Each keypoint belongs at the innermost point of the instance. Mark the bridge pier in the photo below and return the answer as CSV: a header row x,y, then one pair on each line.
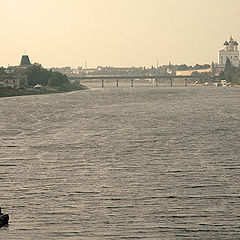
x,y
117,82
186,82
102,82
171,82
132,82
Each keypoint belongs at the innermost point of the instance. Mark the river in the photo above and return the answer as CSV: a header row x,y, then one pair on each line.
x,y
122,163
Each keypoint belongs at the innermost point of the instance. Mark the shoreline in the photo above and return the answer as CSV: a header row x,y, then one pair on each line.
x,y
28,92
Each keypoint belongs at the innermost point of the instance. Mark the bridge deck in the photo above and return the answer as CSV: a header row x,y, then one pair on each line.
x,y
129,77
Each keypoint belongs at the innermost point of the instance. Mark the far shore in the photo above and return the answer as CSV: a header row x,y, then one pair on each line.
x,y
5,92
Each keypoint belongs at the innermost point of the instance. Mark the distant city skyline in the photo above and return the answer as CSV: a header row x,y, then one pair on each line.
x,y
58,33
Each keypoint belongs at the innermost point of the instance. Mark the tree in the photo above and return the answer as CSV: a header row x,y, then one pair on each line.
x,y
221,75
36,74
228,70
202,77
236,77
2,72
57,80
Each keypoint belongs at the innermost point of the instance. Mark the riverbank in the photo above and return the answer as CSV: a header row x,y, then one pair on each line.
x,y
4,92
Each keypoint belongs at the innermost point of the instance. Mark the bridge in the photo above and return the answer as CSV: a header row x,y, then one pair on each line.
x,y
154,78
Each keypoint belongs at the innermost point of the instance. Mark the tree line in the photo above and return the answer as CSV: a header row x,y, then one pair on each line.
x,y
36,74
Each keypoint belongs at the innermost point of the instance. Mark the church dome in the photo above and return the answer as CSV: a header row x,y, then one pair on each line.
x,y
235,43
226,43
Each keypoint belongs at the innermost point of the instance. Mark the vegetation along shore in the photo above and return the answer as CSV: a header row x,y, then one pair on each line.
x,y
34,80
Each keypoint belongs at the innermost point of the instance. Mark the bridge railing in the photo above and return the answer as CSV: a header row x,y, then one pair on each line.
x,y
131,77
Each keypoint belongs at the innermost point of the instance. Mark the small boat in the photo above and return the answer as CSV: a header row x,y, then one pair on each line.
x,y
4,220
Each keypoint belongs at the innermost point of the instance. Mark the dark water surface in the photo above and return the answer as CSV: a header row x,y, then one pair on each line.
x,y
122,163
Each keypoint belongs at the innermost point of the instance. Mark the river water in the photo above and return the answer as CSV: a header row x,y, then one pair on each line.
x,y
122,163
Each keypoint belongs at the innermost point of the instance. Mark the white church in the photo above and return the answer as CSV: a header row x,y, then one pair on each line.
x,y
230,51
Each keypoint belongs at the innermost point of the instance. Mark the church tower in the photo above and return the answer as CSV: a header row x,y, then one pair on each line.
x,y
25,61
230,51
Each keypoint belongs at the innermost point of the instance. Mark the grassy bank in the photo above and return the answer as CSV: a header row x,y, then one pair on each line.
x,y
4,92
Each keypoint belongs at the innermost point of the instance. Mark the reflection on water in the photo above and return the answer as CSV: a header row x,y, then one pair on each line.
x,y
122,163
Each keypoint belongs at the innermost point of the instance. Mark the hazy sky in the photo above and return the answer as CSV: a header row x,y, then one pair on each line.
x,y
116,32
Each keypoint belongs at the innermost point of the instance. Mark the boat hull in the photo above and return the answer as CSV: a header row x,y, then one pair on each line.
x,y
4,220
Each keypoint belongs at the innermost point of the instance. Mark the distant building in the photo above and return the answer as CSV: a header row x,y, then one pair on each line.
x,y
230,51
63,70
24,64
16,76
10,81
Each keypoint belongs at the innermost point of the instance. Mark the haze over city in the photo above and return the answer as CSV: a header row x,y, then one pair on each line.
x,y
116,33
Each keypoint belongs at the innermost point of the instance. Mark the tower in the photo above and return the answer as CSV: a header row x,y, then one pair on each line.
x,y
25,61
